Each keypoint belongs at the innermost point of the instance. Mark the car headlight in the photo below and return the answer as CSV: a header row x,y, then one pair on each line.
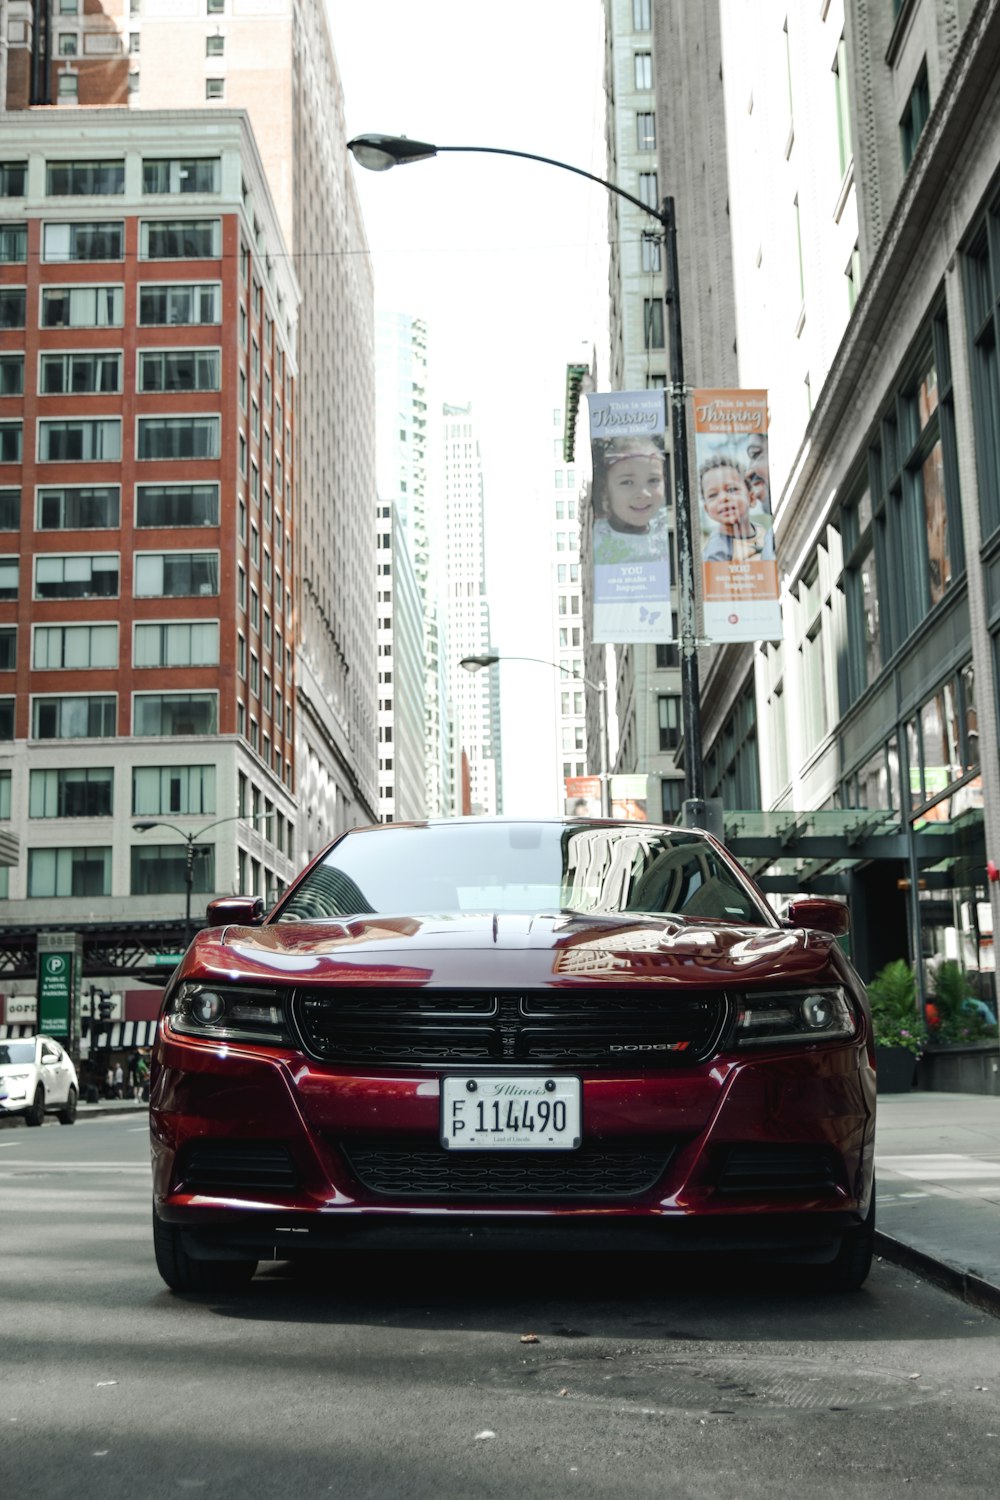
x,y
819,1015
229,1013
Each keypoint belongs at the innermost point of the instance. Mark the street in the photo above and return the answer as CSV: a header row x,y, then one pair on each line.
x,y
376,1377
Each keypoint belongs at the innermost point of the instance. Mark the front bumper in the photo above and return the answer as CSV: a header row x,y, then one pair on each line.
x,y
296,1127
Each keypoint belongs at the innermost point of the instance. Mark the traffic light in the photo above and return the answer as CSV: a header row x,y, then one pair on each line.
x,y
100,1005
105,1008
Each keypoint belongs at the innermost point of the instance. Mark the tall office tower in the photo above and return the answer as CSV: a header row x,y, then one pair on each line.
x,y
273,58
401,708
647,687
148,406
475,696
862,210
402,440
567,619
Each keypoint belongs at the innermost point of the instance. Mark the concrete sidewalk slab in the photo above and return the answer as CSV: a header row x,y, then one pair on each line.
x,y
938,1162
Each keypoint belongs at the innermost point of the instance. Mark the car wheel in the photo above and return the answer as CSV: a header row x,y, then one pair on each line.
x,y
849,1271
36,1114
67,1115
183,1273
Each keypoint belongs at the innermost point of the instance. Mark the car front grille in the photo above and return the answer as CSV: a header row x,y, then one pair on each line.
x,y
214,1166
645,1026
420,1170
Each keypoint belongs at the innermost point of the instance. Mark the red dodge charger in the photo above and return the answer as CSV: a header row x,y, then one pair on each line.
x,y
569,1034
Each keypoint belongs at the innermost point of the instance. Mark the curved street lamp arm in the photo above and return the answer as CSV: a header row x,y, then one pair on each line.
x,y
563,671
661,217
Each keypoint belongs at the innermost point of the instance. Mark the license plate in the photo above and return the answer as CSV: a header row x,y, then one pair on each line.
x,y
510,1114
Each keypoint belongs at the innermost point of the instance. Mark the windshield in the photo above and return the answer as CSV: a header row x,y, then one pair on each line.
x,y
17,1052
523,867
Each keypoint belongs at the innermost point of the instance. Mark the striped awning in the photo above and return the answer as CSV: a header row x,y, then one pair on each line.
x,y
119,1036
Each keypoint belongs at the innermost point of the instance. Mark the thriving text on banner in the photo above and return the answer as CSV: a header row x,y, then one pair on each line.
x,y
630,538
738,564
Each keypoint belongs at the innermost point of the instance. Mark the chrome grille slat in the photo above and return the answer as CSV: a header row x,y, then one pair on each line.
x,y
440,1028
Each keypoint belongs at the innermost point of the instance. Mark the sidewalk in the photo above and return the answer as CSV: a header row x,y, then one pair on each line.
x,y
937,1157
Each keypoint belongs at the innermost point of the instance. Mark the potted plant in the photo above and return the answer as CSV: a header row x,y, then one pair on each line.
x,y
899,1032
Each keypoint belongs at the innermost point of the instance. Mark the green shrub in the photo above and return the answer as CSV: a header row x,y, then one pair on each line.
x,y
892,995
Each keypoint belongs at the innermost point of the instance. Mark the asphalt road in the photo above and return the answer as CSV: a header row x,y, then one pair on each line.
x,y
409,1377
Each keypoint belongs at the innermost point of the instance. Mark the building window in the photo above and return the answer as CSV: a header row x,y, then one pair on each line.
x,y
13,177
644,70
182,174
77,717
83,241
215,88
843,107
180,239
668,712
79,508
180,369
982,291
83,306
9,570
82,440
13,244
59,648
649,189
918,107
177,505
12,306
175,713
185,644
853,273
76,575
645,131
8,649
10,508
195,304
641,19
178,437
215,46
11,442
79,792
69,872
68,43
162,869
84,179
68,91
80,373
177,790
6,719
652,322
174,575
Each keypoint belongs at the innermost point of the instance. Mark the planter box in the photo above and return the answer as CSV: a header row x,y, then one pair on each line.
x,y
961,1070
896,1067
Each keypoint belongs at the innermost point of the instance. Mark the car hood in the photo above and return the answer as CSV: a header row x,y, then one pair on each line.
x,y
506,948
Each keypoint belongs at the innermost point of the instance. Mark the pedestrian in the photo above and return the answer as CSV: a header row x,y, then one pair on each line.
x,y
141,1077
118,1089
109,1084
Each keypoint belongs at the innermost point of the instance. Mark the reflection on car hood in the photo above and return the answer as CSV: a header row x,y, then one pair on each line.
x,y
506,948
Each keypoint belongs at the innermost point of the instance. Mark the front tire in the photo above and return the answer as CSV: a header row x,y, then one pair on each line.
x,y
849,1271
67,1115
36,1114
183,1273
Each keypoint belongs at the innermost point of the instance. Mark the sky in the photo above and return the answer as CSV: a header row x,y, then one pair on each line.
x,y
506,260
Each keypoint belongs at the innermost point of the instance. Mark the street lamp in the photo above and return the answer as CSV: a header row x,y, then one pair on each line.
x,y
191,839
380,152
490,659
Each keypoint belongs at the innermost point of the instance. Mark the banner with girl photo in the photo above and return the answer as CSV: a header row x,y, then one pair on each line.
x,y
631,549
738,564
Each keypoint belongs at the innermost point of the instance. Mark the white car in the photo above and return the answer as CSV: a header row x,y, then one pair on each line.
x,y
37,1077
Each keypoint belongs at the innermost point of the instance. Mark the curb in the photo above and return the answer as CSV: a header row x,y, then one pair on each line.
x,y
965,1285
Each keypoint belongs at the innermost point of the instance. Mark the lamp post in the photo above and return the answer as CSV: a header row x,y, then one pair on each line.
x,y
191,839
490,659
380,152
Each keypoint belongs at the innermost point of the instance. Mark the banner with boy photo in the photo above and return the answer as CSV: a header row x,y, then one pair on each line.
x,y
631,548
738,564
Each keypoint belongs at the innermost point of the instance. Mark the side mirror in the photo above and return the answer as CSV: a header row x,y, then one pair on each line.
x,y
819,913
241,911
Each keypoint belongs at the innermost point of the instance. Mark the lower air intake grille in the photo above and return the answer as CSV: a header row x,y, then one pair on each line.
x,y
217,1165
779,1169
430,1172
646,1026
